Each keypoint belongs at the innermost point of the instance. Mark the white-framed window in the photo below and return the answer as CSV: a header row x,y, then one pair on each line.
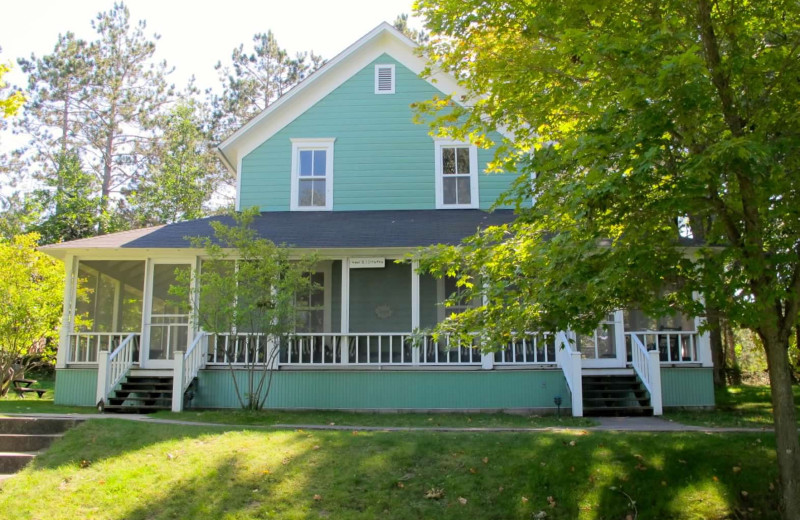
x,y
310,306
384,79
446,287
312,174
456,175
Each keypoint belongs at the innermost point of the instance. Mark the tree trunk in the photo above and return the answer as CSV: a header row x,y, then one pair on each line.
x,y
731,362
717,351
786,438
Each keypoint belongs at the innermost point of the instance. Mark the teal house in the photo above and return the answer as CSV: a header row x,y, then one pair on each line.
x,y
338,166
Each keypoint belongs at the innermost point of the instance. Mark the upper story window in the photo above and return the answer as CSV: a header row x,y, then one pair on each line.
x,y
312,174
456,175
384,79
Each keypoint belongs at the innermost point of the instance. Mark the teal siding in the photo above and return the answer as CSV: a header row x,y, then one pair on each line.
x,y
76,386
402,390
687,386
382,160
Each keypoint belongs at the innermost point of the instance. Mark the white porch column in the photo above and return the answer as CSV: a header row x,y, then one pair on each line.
x,y
487,358
345,311
415,307
70,268
703,345
147,305
177,381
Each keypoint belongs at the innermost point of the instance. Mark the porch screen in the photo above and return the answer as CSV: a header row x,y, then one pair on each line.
x,y
109,296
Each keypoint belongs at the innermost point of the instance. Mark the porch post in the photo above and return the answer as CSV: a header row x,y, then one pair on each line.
x,y
619,337
70,266
487,358
147,304
415,307
177,382
345,312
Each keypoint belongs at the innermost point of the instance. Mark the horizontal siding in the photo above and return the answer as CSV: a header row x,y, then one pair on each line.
x,y
402,390
76,386
382,160
687,386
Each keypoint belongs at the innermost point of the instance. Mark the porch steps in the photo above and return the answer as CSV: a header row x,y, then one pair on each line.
x,y
22,438
615,395
141,394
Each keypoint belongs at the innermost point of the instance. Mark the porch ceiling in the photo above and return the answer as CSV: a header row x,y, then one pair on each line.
x,y
315,230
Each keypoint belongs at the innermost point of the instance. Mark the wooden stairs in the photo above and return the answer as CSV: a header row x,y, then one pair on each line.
x,y
141,393
617,394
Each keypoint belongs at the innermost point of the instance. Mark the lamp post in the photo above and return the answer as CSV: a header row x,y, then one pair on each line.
x,y
557,401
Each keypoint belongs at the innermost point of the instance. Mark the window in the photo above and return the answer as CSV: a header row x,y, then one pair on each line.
x,y
384,79
456,175
310,306
312,174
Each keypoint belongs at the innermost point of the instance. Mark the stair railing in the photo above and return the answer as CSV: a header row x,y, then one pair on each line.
x,y
570,362
647,365
112,367
187,366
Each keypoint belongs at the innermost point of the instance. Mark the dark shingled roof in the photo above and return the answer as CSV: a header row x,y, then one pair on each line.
x,y
319,229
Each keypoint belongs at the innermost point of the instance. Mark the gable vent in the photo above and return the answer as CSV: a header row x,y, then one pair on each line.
x,y
384,79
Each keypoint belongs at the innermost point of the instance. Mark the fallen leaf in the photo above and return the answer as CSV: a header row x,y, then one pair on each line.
x,y
572,443
434,493
317,497
266,472
572,469
285,461
332,424
744,493
401,485
102,482
682,461
551,501
486,460
737,469
541,515
85,463
469,419
663,482
638,456
524,500
299,431
500,489
315,447
462,500
771,486
714,478
543,463
473,470
355,432
629,517
407,476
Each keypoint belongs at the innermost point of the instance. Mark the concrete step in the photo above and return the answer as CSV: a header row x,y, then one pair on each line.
x,y
111,408
22,442
35,425
11,462
5,477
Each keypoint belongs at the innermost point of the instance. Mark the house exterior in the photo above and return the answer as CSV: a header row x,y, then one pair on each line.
x,y
337,166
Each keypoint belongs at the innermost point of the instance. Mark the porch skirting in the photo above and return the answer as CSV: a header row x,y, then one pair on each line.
x,y
76,386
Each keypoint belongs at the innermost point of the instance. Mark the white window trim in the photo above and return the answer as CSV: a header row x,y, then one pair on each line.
x,y
473,174
320,143
384,66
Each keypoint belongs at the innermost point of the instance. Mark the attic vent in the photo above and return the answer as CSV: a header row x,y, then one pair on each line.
x,y
384,79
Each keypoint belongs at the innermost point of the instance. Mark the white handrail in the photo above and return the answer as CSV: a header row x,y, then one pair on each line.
x,y
113,366
648,368
570,362
186,367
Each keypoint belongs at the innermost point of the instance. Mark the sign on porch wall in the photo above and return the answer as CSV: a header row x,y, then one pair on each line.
x,y
367,263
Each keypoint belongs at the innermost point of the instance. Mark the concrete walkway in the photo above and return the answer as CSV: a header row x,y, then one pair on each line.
x,y
618,424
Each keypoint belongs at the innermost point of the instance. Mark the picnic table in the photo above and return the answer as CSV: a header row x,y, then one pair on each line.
x,y
23,386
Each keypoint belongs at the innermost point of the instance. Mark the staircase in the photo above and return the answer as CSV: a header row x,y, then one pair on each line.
x,y
141,393
22,438
619,394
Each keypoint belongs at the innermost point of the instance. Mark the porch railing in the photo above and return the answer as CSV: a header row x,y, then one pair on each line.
x,y
84,347
113,366
569,361
374,349
648,368
672,346
187,366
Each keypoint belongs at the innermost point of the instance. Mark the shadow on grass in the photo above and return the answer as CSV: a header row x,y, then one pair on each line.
x,y
202,472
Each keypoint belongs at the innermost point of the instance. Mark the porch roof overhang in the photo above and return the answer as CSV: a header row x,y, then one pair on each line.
x,y
309,230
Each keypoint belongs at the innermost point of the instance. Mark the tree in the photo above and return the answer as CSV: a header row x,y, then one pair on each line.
x,y
181,173
634,117
31,289
254,80
418,35
10,103
248,287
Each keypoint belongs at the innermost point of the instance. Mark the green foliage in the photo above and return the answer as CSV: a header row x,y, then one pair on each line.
x,y
9,103
247,289
418,35
180,176
31,289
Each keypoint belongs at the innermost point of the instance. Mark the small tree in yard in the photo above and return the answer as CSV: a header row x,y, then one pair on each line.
x,y
247,288
31,289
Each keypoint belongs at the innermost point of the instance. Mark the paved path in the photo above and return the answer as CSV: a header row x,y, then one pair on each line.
x,y
619,424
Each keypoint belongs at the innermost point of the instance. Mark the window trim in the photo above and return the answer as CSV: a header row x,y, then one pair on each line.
x,y
389,66
317,143
439,145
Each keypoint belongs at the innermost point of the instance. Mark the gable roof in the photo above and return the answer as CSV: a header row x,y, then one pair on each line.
x,y
312,230
384,39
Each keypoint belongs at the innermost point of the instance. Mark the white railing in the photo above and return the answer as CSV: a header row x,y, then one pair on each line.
x,y
532,348
648,368
672,346
187,366
113,366
569,361
84,347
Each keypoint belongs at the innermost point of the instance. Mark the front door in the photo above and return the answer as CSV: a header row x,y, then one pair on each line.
x,y
605,347
166,327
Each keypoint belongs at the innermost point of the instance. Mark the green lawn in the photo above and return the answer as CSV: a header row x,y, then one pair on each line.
x,y
12,403
737,406
112,469
423,420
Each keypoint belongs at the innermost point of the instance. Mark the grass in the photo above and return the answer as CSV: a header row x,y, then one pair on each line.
x,y
420,420
737,406
13,403
114,469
